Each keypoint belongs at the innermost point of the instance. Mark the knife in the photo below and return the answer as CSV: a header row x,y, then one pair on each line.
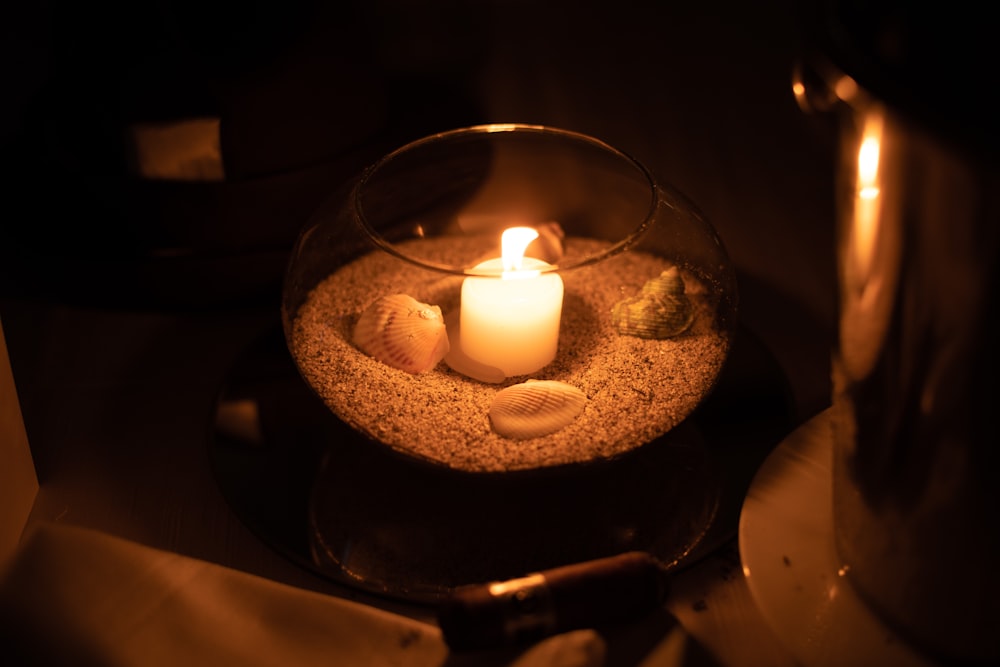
x,y
581,595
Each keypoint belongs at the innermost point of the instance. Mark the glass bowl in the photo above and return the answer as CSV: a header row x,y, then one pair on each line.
x,y
639,319
486,425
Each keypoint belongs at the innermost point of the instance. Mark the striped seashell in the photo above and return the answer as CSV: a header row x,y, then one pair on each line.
x,y
535,408
668,283
402,332
660,310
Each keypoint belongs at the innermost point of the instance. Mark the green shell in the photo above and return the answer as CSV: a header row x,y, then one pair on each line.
x,y
660,310
669,283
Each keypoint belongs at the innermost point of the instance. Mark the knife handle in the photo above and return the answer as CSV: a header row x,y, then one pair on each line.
x,y
583,595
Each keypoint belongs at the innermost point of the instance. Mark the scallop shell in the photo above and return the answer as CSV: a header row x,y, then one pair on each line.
x,y
402,332
535,408
660,310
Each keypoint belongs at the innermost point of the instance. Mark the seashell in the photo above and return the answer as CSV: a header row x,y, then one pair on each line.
x,y
668,283
548,247
660,310
402,332
535,408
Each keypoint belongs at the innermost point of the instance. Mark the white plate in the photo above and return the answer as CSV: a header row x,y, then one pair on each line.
x,y
791,565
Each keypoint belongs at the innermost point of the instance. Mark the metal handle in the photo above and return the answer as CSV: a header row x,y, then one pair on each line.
x,y
583,595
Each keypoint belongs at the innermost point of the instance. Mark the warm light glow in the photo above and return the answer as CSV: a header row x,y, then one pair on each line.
x,y
868,161
867,205
511,325
502,588
509,127
513,242
871,244
845,88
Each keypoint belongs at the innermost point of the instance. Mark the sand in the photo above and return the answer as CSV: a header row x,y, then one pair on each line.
x,y
636,389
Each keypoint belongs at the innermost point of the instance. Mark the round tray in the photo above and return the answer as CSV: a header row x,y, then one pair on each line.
x,y
791,565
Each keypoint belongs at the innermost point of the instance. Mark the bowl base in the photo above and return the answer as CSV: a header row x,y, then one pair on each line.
x,y
362,514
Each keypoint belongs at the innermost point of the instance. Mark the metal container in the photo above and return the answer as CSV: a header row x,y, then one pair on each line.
x,y
915,363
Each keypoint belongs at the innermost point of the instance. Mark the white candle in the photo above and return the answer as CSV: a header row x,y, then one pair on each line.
x,y
510,320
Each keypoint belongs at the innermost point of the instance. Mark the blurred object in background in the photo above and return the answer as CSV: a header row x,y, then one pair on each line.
x,y
169,153
18,481
916,365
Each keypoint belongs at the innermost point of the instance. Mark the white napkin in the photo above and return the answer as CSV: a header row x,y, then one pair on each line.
x,y
74,596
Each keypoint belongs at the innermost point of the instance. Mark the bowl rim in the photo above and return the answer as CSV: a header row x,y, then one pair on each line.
x,y
630,239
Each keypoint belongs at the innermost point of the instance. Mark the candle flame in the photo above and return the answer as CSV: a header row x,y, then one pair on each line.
x,y
513,242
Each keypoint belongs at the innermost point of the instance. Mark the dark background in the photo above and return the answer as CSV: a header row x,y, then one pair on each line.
x,y
126,303
310,92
